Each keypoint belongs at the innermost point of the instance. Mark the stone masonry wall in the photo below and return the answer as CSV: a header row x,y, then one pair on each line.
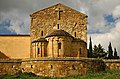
x,y
10,66
47,19
112,64
59,67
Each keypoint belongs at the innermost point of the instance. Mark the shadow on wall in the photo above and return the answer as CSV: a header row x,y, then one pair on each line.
x,y
2,55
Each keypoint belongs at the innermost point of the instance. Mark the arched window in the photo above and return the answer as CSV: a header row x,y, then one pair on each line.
x,y
80,50
41,33
59,45
31,66
51,66
57,26
75,34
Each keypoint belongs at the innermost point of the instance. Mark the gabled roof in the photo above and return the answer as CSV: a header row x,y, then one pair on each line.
x,y
59,33
59,4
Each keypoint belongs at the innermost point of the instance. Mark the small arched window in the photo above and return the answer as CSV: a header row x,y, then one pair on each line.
x,y
75,34
31,66
57,26
41,33
51,66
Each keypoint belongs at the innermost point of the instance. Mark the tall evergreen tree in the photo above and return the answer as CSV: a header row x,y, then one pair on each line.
x,y
99,51
115,54
110,51
90,49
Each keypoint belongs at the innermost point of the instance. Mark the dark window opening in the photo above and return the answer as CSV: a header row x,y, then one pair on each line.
x,y
23,69
59,45
41,33
80,50
57,26
82,24
31,66
13,66
51,66
75,34
38,50
73,67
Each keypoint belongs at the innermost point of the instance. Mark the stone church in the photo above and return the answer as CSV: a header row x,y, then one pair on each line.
x,y
56,31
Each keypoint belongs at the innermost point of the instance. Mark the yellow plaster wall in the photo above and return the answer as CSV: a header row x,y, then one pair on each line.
x,y
15,46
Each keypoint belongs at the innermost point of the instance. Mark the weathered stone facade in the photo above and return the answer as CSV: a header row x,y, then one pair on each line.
x,y
52,67
66,18
58,31
57,67
10,66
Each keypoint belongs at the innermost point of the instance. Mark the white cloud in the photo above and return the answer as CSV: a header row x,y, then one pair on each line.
x,y
104,39
116,12
18,23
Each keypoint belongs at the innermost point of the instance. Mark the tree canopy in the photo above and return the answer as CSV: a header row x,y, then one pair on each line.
x,y
99,52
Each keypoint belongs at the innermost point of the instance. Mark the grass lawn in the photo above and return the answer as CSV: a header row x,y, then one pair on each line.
x,y
108,74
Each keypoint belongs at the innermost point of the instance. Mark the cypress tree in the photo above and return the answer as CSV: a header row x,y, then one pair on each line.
x,y
110,51
115,54
90,49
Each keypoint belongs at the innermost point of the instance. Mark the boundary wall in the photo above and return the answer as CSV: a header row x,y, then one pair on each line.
x,y
57,67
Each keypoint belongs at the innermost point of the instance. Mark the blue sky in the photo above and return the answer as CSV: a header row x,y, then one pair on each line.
x,y
103,17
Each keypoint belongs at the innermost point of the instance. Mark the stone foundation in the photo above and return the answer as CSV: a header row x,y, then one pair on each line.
x,y
52,67
10,66
59,67
112,64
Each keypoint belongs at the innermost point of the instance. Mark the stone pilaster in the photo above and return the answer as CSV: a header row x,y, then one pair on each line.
x,y
62,48
33,50
56,50
50,47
